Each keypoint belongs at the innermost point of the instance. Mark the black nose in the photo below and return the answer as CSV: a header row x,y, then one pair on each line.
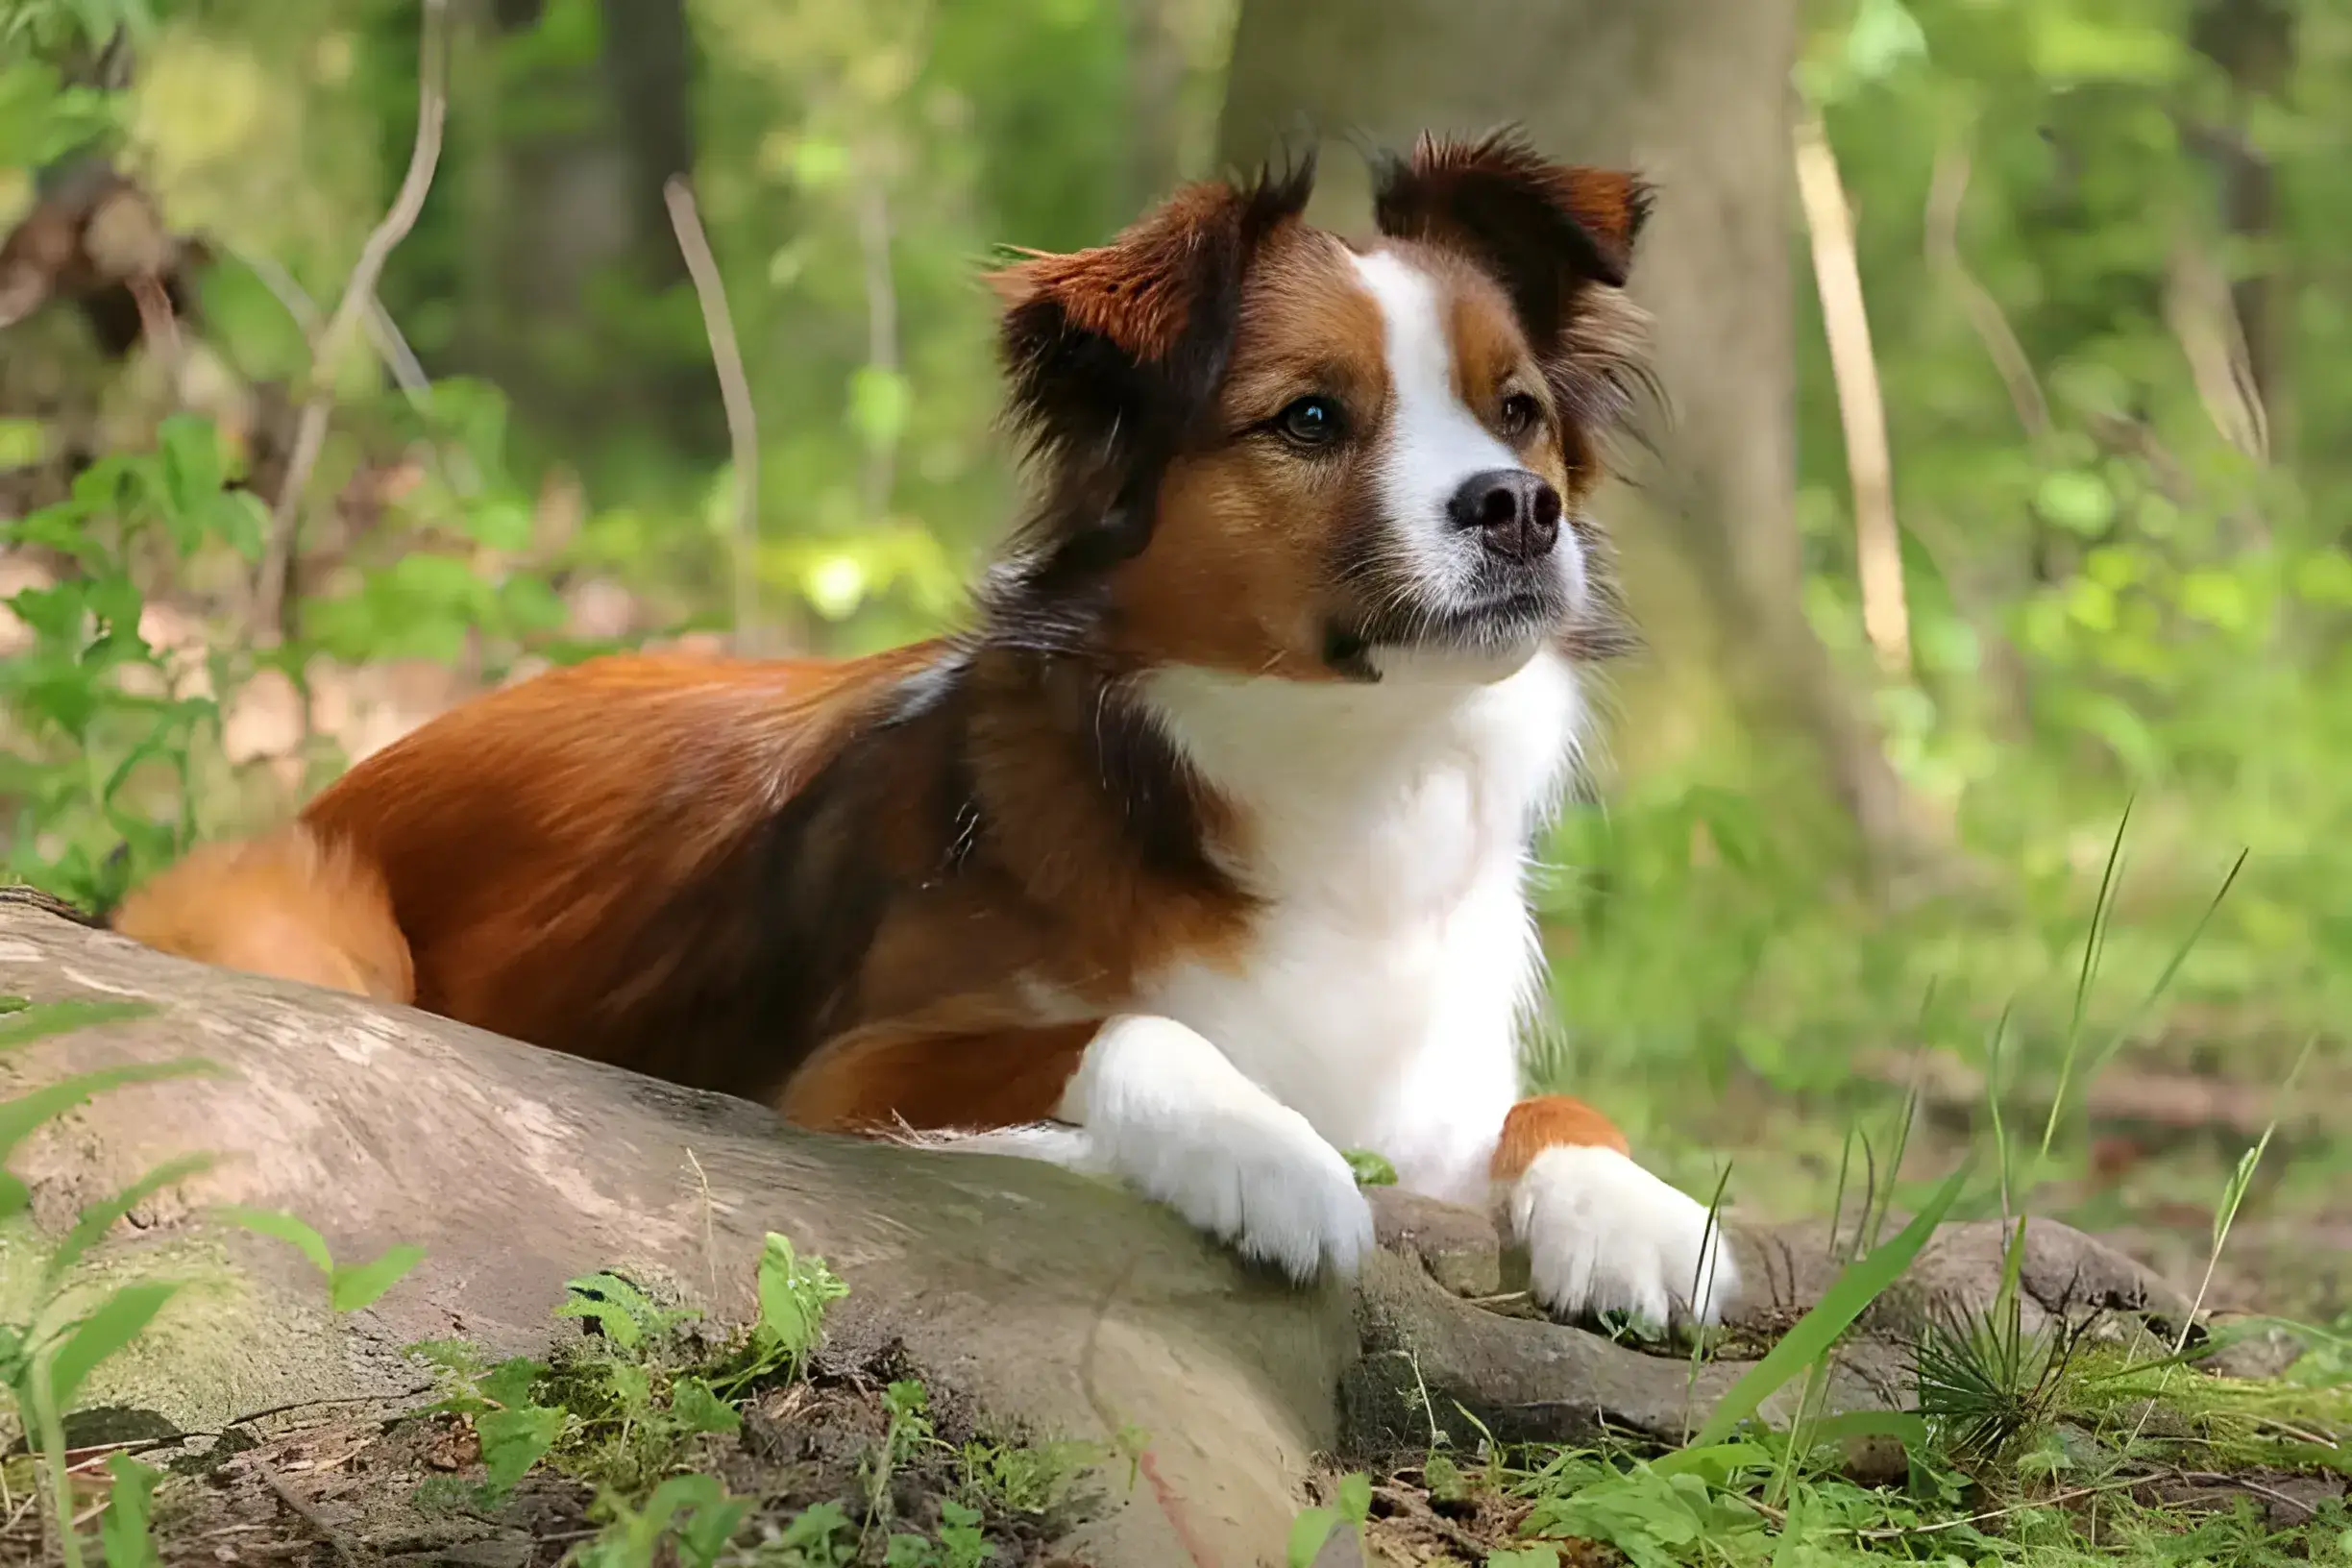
x,y
1516,513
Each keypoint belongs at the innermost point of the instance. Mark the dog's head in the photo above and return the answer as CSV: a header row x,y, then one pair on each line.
x,y
1268,451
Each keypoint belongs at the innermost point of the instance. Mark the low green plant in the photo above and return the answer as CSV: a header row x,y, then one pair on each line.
x,y
514,1429
85,738
49,1353
693,1513
1351,1505
349,1286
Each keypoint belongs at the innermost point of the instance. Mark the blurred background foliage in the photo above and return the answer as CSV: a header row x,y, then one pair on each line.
x,y
2109,312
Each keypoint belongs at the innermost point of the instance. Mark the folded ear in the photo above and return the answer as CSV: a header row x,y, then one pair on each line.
x,y
1139,328
1547,231
1115,356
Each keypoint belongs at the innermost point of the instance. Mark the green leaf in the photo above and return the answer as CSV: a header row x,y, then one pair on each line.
x,y
1308,1534
617,1307
2076,500
23,442
793,1296
879,402
124,1535
348,1289
708,1530
48,1019
238,520
281,1226
1715,1462
1813,1334
1884,35
26,1112
114,1323
692,1403
509,1384
500,522
1903,1426
1355,1498
513,1441
1538,1554
192,468
93,1224
1371,1167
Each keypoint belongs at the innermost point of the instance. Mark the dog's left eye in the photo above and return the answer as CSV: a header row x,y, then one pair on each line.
x,y
1520,412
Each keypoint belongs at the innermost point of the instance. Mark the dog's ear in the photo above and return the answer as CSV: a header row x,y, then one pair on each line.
x,y
1547,231
1115,355
1139,328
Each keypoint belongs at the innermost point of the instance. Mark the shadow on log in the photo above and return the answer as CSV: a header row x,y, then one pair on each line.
x,y
1043,1296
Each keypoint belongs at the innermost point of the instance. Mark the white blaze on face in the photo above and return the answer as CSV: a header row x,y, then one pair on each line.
x,y
1434,441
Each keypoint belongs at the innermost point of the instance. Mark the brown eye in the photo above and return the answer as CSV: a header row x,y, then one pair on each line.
x,y
1520,412
1310,421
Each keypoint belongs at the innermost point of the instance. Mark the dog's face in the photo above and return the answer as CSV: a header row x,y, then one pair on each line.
x,y
1271,451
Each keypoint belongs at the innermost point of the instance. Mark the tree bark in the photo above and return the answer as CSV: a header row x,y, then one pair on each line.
x,y
1040,1295
1694,94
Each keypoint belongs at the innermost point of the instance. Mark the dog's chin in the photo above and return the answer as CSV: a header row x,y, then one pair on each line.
x,y
1458,644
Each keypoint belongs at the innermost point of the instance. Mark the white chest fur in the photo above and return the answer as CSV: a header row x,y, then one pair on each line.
x,y
1383,987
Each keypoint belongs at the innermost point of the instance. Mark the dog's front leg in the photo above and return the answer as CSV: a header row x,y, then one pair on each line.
x,y
1163,1108
1602,1234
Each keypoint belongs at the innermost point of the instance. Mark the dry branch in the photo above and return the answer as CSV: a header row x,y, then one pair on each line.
x,y
1947,189
268,604
1886,617
735,392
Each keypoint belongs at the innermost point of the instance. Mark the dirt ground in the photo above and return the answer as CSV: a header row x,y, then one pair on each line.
x,y
334,1487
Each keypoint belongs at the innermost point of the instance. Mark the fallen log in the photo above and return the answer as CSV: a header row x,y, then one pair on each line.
x,y
1047,1297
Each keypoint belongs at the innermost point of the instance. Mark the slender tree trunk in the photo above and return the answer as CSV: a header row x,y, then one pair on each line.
x,y
547,210
1694,94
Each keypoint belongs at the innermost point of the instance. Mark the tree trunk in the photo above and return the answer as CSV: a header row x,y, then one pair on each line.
x,y
1694,94
546,210
1040,1295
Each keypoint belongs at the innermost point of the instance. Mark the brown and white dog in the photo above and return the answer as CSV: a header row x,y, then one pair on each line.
x,y
1200,858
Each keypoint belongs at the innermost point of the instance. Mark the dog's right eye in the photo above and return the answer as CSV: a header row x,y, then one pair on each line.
x,y
1310,421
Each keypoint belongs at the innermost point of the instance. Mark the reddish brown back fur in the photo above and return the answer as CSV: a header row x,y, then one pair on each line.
x,y
285,905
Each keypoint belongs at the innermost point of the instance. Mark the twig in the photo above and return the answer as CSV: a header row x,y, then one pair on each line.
x,y
2222,1478
310,433
710,1234
1886,617
344,1551
1946,189
1904,1531
735,393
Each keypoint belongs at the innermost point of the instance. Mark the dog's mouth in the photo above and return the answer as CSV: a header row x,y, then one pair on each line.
x,y
1493,626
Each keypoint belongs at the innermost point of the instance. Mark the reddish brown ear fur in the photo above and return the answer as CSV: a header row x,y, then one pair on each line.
x,y
1546,229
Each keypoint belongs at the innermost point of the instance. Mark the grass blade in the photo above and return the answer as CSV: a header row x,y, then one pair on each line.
x,y
95,1221
1813,1334
349,1289
21,1116
280,1226
119,1320
51,1018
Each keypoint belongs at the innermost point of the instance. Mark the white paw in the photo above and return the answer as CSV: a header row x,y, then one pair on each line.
x,y
1604,1234
1166,1111
1269,1187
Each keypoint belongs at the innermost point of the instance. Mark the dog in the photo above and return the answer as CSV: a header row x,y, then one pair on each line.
x,y
1200,857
